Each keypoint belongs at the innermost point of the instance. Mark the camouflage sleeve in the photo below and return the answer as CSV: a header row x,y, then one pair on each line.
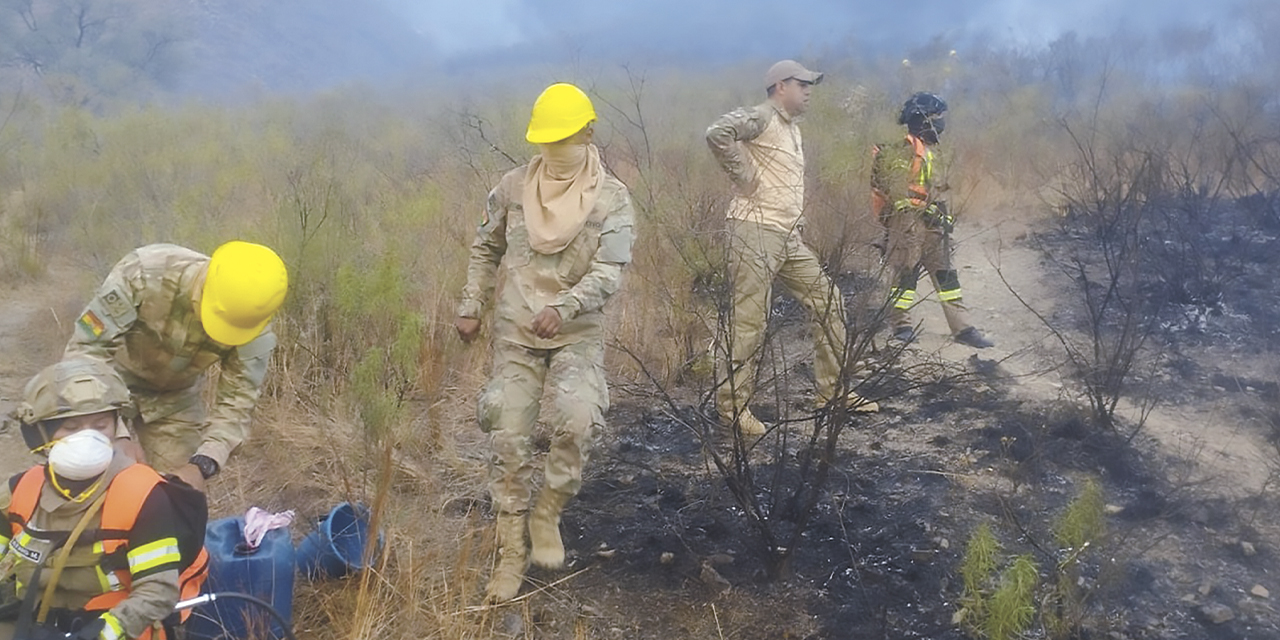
x,y
99,330
239,386
724,135
879,175
891,173
486,254
880,184
602,279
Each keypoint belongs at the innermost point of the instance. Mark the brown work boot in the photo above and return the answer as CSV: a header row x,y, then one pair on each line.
x,y
856,402
544,530
507,577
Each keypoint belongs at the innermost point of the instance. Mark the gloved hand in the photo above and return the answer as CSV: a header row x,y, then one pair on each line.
x,y
937,216
90,631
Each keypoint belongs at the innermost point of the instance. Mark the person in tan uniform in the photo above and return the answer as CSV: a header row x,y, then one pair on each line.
x,y
760,149
906,196
165,315
559,231
116,581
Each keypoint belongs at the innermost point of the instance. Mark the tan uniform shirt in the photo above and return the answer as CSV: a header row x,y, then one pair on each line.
x,y
152,595
577,281
762,143
143,320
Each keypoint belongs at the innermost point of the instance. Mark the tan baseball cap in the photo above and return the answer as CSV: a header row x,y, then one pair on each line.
x,y
788,69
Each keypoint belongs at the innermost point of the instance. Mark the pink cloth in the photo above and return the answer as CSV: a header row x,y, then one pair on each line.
x,y
258,522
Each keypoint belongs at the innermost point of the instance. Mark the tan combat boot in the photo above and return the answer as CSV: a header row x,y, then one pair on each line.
x,y
507,577
856,402
748,424
544,530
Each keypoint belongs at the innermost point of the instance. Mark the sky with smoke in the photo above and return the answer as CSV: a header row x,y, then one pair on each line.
x,y
727,28
237,47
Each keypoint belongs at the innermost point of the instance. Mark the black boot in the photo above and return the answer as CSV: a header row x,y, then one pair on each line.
x,y
904,334
974,338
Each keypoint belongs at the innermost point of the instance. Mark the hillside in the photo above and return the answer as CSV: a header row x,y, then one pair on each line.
x,y
291,45
98,52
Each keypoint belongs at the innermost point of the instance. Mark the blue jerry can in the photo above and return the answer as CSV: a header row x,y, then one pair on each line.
x,y
265,573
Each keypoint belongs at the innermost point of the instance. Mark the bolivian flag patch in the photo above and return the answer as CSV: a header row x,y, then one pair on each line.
x,y
92,323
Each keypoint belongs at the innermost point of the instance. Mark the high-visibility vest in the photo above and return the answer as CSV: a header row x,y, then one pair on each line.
x,y
125,495
919,176
921,173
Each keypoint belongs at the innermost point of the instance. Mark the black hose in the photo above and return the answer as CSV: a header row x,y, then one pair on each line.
x,y
231,595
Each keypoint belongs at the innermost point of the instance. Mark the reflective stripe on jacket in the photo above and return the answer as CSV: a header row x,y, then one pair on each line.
x,y
106,549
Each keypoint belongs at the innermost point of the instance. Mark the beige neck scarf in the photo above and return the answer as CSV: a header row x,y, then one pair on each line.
x,y
560,190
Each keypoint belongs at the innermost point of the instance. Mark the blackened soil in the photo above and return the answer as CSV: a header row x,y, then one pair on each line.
x,y
671,554
866,567
665,551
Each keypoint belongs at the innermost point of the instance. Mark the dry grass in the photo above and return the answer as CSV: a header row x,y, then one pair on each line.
x,y
370,396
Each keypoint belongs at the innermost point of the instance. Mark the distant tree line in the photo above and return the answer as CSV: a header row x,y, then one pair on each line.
x,y
84,50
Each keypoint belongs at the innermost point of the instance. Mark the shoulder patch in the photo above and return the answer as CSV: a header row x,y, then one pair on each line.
x,y
116,303
91,323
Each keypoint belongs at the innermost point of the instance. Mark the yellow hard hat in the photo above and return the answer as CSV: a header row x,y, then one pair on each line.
x,y
243,287
561,111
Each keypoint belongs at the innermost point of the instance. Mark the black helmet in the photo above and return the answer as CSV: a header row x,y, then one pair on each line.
x,y
922,113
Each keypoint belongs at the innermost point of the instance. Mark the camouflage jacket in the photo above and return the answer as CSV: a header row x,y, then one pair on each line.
x,y
145,320
577,281
762,143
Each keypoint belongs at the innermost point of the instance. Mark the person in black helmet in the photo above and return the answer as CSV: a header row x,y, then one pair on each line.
x,y
905,193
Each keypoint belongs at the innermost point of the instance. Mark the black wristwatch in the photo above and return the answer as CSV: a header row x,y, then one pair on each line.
x,y
208,466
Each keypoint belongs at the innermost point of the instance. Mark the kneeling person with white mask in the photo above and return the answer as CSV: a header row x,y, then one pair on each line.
x,y
94,533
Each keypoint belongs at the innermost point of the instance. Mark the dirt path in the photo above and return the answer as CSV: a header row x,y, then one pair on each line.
x,y
1225,449
35,320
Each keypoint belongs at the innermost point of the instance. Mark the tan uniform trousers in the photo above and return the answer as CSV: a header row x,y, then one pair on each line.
x,y
508,411
914,246
757,255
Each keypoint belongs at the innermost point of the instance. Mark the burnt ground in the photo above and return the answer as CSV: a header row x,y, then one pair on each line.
x,y
665,552
881,557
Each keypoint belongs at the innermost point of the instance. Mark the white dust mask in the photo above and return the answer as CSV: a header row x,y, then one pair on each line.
x,y
82,455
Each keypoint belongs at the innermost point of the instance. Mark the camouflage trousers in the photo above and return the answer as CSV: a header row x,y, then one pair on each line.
x,y
170,426
913,247
759,254
508,411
